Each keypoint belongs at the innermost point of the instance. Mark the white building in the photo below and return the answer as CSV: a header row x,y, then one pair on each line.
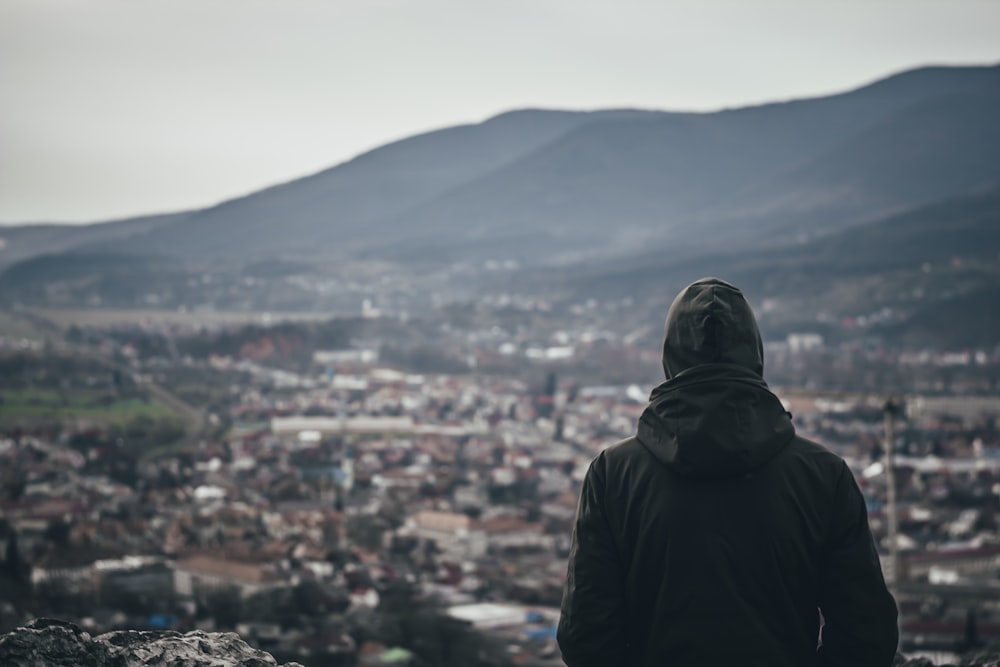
x,y
203,574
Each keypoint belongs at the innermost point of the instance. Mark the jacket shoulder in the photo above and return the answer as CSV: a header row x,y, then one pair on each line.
x,y
814,451
621,450
617,455
803,454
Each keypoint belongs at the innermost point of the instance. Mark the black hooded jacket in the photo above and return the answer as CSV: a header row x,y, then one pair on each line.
x,y
715,535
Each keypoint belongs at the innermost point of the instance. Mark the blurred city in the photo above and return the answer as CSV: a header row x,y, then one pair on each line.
x,y
366,489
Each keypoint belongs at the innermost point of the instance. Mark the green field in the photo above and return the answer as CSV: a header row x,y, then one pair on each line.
x,y
13,326
36,405
104,317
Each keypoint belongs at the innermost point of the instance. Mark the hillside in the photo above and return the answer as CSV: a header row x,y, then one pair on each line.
x,y
831,207
708,179
337,208
935,267
544,180
25,242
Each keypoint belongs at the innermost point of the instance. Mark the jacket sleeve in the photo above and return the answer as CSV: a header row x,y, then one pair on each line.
x,y
859,613
592,623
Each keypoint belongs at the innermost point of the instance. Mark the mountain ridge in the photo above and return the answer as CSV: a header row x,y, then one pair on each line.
x,y
560,195
897,86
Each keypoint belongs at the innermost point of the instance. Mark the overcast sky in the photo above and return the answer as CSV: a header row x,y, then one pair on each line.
x,y
111,108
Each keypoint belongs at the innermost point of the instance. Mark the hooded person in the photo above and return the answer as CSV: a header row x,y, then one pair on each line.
x,y
716,535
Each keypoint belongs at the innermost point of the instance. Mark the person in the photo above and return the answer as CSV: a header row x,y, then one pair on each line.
x,y
716,535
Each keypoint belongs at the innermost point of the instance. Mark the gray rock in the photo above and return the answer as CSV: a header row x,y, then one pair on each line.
x,y
980,660
51,643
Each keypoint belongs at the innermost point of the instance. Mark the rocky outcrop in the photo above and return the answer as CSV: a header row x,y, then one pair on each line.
x,y
983,660
51,643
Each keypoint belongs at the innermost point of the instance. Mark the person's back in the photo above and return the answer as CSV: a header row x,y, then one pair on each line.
x,y
715,535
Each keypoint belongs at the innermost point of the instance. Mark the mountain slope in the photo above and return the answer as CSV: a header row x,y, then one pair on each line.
x,y
544,182
337,206
883,197
962,227
766,169
24,242
928,151
919,264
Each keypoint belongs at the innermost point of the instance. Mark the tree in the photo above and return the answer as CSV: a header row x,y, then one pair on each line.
x,y
15,567
435,637
224,605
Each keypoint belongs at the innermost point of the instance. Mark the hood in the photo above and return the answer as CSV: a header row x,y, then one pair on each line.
x,y
710,322
714,416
